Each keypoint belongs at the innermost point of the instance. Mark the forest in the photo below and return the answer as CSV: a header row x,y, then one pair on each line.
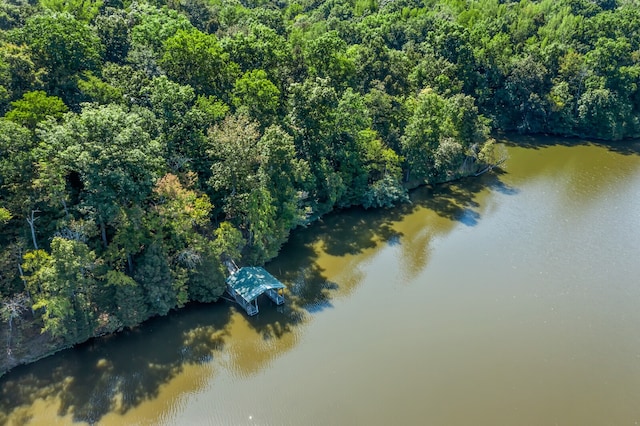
x,y
143,143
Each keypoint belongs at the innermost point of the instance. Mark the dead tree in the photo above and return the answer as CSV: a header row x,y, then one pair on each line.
x,y
11,310
31,221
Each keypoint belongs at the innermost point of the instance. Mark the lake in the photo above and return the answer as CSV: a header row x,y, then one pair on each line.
x,y
511,298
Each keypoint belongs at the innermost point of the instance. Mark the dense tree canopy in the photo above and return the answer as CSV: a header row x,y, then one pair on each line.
x,y
143,143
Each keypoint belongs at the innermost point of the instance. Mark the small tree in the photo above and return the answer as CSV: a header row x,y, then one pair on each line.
x,y
5,216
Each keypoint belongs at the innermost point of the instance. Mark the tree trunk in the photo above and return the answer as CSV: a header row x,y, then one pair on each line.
x,y
9,338
103,233
66,210
31,220
24,282
130,264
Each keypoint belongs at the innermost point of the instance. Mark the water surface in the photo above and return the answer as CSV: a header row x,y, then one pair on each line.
x,y
512,298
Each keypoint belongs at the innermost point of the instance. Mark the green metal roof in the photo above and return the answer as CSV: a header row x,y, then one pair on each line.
x,y
251,281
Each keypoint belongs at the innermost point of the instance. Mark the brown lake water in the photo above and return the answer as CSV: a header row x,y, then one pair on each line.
x,y
508,299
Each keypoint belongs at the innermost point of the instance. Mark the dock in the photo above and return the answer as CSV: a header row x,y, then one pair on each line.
x,y
246,284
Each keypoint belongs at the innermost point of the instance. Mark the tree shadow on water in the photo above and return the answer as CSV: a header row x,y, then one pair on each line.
x,y
308,288
458,200
355,230
117,372
351,231
624,147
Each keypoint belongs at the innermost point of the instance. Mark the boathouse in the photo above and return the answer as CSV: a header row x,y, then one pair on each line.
x,y
246,284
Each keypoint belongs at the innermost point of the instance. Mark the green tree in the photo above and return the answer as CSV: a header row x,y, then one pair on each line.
x,y
234,154
18,72
83,10
154,276
187,141
35,107
63,46
526,88
327,57
113,28
169,101
61,284
384,173
179,213
347,150
285,176
99,91
5,81
255,95
312,114
602,114
440,135
130,305
5,216
388,115
261,47
228,242
422,135
257,177
207,280
19,187
13,13
16,164
155,25
375,63
197,59
116,160
133,84
436,72
201,13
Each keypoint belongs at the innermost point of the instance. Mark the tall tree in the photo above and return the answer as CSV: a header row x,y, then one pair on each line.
x,y
194,58
114,159
261,47
422,135
61,283
18,72
154,276
16,164
312,115
327,57
113,28
63,46
255,95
